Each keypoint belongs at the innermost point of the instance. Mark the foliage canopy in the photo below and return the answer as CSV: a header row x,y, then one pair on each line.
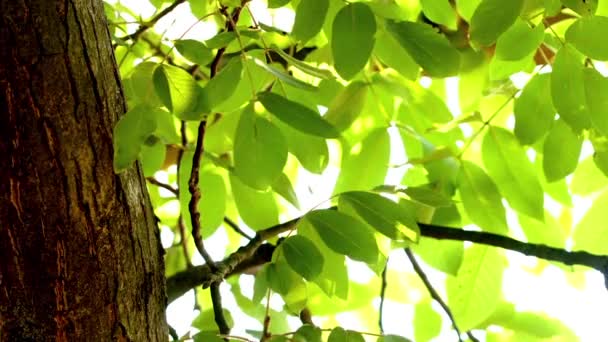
x,y
368,127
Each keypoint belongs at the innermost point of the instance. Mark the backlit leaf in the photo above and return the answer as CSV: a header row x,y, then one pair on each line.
x,y
508,165
596,87
283,76
587,36
481,199
534,110
263,214
260,151
476,291
223,85
432,51
561,151
297,116
345,235
303,257
519,41
492,18
568,89
427,322
310,15
347,105
130,133
590,230
440,12
194,50
352,38
179,93
340,335
384,215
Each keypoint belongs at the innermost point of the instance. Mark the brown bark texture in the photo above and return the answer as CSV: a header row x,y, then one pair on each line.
x,y
80,254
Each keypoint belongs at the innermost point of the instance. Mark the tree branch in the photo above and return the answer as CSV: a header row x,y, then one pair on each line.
x,y
247,256
165,186
145,26
429,287
598,262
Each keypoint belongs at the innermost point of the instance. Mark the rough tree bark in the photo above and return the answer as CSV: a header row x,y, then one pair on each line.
x,y
80,255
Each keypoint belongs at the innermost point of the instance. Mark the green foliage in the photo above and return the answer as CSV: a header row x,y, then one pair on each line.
x,y
370,121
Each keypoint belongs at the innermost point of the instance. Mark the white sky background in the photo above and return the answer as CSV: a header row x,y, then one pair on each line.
x,y
584,310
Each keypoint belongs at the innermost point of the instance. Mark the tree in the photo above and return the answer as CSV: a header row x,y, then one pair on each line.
x,y
230,135
80,250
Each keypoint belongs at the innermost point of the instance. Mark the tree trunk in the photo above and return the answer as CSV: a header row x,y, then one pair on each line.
x,y
80,254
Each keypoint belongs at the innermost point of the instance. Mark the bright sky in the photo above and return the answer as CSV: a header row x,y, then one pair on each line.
x,y
583,307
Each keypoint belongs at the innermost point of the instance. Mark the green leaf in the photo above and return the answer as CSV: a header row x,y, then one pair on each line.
x,y
130,133
596,87
307,333
277,3
519,41
476,291
352,38
223,85
440,12
220,40
492,18
427,196
446,255
347,105
392,338
534,110
391,53
365,166
303,66
340,335
282,186
590,230
508,165
152,158
302,255
481,199
282,279
194,51
260,151
281,75
587,36
427,322
311,151
310,15
432,51
582,7
212,204
548,233
568,89
297,116
345,235
333,279
140,88
257,209
384,215
561,151
587,178
179,93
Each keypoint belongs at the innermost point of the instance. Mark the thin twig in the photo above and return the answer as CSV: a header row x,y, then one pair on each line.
x,y
145,26
236,228
382,296
195,215
165,186
432,290
216,300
